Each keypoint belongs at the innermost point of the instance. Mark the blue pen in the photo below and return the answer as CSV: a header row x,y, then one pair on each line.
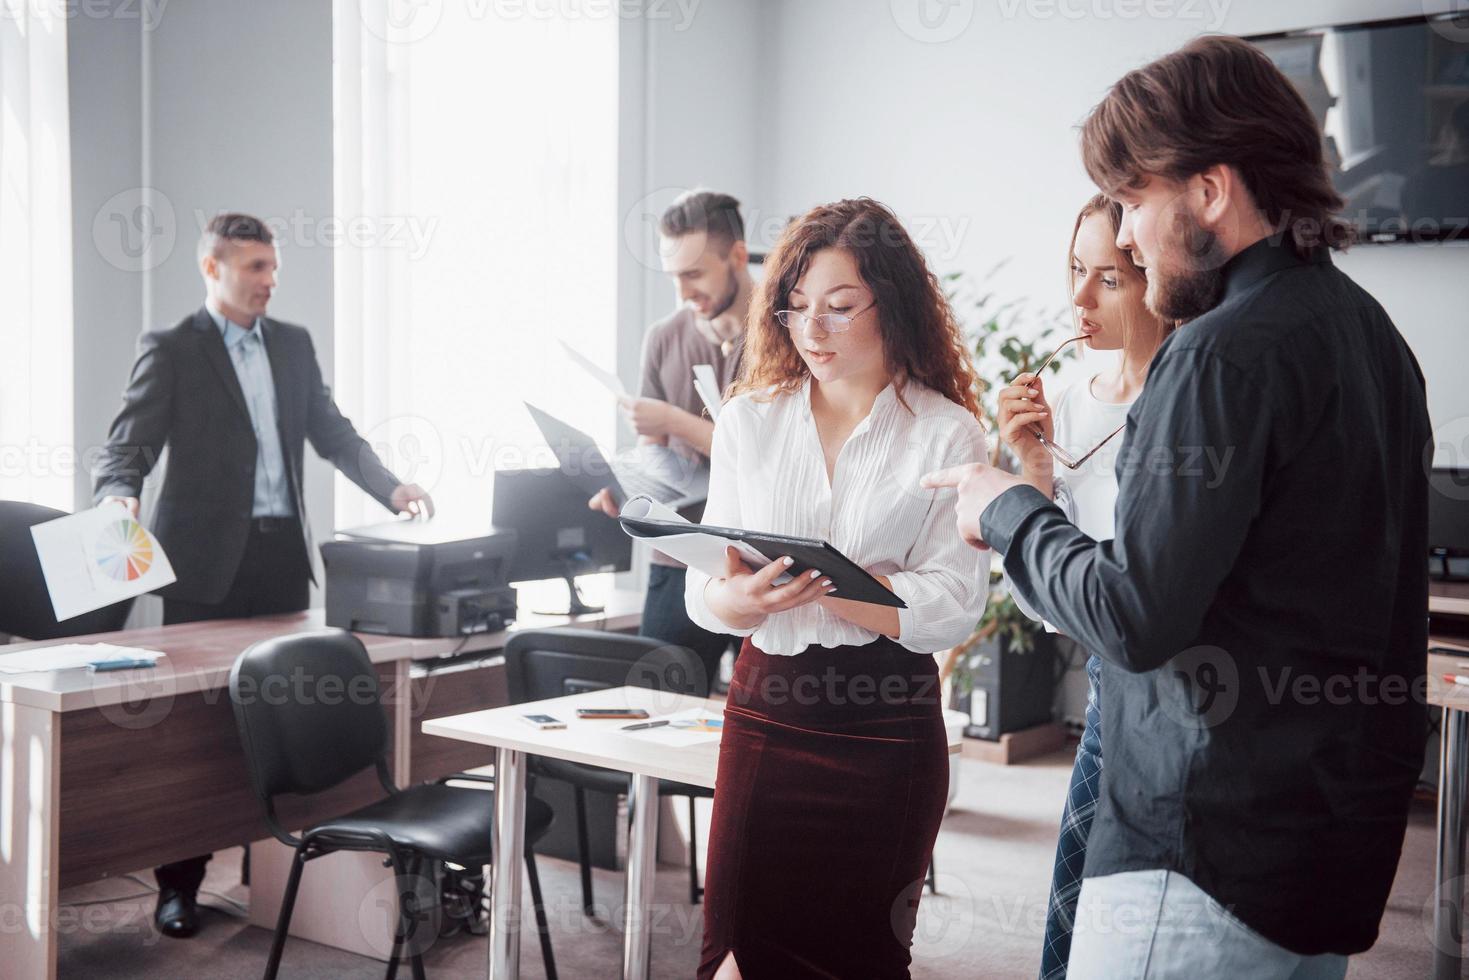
x,y
121,663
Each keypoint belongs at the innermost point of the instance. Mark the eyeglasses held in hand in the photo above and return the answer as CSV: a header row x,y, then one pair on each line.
x,y
825,322
1059,454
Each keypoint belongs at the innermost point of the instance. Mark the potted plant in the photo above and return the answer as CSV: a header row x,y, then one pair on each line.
x,y
1004,675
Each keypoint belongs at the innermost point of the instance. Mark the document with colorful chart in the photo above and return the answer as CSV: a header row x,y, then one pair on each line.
x,y
97,557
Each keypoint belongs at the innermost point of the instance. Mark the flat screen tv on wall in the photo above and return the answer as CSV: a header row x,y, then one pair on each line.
x,y
1392,98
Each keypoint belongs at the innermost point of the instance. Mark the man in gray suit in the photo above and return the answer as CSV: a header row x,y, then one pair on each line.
x,y
234,395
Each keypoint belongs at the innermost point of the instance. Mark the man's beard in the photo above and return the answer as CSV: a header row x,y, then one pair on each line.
x,y
728,299
1196,289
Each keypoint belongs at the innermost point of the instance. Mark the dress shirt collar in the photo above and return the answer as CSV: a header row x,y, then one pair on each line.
x,y
233,333
880,405
1268,255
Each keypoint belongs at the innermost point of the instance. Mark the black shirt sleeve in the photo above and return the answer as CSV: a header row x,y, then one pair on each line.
x,y
1189,485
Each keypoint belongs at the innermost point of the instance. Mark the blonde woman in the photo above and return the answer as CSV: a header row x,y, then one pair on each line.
x,y
1087,417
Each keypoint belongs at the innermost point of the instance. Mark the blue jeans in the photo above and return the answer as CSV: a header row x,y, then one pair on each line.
x,y
1159,925
1076,826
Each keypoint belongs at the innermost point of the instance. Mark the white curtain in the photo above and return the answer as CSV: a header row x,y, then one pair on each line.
x,y
36,455
476,152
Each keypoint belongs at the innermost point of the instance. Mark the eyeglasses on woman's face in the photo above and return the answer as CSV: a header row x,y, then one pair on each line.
x,y
825,322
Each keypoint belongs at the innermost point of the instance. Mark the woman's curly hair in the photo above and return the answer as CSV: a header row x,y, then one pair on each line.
x,y
921,338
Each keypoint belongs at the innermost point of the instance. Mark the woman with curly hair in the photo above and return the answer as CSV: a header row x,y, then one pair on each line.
x,y
833,767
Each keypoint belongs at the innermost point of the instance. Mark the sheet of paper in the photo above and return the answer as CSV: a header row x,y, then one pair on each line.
x,y
97,557
604,377
692,727
645,506
707,385
689,475
66,656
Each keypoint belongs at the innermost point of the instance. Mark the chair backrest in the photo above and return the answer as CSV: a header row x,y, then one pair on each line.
x,y
556,662
25,604
309,712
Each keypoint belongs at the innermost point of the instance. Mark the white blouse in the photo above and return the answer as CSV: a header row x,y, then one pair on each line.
x,y
768,473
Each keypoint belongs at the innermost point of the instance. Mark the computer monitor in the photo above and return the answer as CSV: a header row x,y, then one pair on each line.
x,y
559,535
1448,523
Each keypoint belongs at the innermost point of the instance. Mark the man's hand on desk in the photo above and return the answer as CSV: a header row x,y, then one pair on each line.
x,y
414,499
131,503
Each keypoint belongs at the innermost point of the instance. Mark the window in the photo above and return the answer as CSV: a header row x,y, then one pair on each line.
x,y
37,461
476,158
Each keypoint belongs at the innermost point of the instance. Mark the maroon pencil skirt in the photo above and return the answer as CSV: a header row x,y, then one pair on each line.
x,y
833,777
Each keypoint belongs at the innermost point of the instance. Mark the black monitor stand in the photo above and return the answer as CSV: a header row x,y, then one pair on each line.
x,y
576,606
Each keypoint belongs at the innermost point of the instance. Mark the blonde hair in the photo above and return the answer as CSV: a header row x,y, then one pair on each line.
x,y
1102,205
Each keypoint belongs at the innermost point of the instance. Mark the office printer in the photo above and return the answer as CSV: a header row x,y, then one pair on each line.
x,y
419,578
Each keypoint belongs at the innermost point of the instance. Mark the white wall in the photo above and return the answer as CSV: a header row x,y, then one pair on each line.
x,y
967,128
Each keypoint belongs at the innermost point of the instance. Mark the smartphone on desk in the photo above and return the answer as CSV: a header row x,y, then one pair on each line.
x,y
543,722
606,713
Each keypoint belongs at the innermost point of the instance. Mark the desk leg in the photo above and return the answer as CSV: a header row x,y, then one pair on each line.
x,y
30,830
509,851
642,805
1448,914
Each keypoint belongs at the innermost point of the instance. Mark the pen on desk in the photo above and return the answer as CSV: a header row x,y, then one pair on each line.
x,y
120,663
1455,679
656,724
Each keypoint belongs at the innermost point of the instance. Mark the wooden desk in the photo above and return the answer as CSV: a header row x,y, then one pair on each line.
x,y
595,743
106,773
1448,598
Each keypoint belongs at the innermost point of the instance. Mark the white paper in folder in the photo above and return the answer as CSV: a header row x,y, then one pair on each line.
x,y
697,550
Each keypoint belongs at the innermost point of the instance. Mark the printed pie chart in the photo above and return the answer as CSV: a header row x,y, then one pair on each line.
x,y
698,724
124,550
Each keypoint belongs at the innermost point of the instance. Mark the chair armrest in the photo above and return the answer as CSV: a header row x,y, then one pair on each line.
x,y
465,777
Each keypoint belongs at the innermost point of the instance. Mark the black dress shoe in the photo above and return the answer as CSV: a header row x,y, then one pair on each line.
x,y
177,914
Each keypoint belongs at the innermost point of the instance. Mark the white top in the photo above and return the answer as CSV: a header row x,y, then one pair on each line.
x,y
768,473
1088,494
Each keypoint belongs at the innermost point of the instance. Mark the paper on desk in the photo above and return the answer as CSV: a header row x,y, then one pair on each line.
x,y
707,385
695,726
604,377
702,551
96,557
65,656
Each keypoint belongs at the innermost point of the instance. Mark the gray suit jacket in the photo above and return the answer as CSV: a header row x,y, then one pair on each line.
x,y
184,393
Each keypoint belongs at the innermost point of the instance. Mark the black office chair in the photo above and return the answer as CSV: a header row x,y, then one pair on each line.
x,y
25,605
553,663
305,745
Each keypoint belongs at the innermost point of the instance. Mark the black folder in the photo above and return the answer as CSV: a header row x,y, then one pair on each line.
x,y
850,580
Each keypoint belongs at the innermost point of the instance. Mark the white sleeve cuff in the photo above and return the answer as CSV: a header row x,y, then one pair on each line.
x,y
946,621
1061,495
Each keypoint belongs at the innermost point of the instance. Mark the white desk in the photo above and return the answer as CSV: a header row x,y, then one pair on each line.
x,y
596,743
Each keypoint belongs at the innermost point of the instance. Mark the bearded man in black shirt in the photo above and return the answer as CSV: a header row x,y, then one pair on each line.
x,y
1262,626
